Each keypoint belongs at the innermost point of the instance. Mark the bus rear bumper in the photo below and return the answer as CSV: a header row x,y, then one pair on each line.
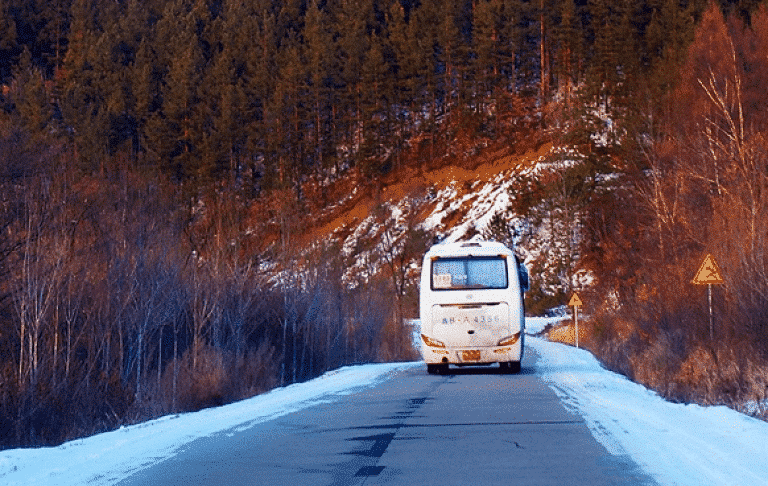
x,y
468,356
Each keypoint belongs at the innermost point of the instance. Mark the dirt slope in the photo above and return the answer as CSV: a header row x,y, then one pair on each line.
x,y
361,200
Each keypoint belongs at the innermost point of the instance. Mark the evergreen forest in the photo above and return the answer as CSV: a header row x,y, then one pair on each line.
x,y
161,159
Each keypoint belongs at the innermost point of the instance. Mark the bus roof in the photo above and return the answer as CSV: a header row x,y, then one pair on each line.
x,y
468,248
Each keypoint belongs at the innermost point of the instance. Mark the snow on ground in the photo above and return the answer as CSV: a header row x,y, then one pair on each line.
x,y
535,325
677,444
112,456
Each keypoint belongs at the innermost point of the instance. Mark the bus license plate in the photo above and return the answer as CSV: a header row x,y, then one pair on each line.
x,y
473,355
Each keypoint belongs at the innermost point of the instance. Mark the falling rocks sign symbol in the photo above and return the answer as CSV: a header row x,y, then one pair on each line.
x,y
709,273
575,300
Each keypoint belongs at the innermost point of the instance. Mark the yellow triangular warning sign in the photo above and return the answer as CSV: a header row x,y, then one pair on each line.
x,y
575,300
709,273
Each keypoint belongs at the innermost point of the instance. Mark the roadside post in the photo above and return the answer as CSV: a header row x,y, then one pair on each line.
x,y
709,274
575,303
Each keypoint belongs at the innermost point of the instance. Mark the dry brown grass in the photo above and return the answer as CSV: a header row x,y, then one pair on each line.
x,y
564,332
678,367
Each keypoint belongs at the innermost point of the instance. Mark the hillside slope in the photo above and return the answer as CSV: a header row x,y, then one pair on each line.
x,y
483,196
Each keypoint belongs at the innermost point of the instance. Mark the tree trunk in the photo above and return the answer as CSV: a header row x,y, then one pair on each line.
x,y
175,364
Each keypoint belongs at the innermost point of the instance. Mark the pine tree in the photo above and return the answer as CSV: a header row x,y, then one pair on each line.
x,y
629,49
225,111
32,97
604,56
170,129
669,32
125,78
260,76
217,98
376,98
754,45
54,16
240,109
413,45
545,11
398,43
145,87
351,20
569,40
528,58
494,37
285,112
451,54
509,32
8,40
485,70
319,55
81,98
423,39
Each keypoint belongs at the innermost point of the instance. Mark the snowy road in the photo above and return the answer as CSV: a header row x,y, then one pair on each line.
x,y
470,427
379,424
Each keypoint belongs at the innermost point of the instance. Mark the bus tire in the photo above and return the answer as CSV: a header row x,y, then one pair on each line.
x,y
510,367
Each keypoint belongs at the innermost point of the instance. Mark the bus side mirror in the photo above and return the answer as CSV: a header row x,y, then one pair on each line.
x,y
522,272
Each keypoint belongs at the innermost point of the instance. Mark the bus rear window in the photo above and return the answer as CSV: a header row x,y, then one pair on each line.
x,y
469,273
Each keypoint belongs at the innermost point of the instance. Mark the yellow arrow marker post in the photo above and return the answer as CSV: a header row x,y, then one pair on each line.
x,y
575,303
709,274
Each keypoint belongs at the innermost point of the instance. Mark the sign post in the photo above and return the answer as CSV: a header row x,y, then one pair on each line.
x,y
709,274
575,303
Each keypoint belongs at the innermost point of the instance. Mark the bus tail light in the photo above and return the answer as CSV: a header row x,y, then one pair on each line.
x,y
432,342
509,340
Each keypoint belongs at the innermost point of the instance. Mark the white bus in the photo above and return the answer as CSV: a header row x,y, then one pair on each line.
x,y
471,306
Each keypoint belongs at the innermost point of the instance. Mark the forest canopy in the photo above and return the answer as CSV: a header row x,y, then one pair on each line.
x,y
268,93
156,159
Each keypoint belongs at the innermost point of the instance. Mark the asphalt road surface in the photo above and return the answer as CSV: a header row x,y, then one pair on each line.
x,y
470,427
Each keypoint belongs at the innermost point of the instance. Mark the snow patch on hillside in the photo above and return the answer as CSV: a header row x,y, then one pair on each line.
x,y
480,206
547,239
464,208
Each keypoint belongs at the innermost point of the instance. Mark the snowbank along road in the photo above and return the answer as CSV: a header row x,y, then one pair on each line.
x,y
563,420
472,427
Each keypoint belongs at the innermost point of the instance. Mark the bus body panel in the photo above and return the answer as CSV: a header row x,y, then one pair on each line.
x,y
466,317
477,325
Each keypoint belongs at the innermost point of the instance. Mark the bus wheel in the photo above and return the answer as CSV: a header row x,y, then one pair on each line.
x,y
510,367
